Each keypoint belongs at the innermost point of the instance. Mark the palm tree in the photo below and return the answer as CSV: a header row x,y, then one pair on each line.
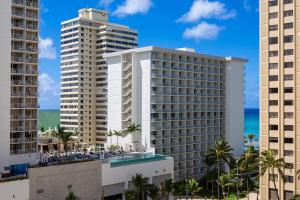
x,y
225,182
110,134
63,136
152,191
141,185
43,129
71,196
132,129
118,134
167,188
251,136
221,152
269,162
193,187
130,195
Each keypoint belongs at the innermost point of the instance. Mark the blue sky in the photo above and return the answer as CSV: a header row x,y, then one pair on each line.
x,y
218,27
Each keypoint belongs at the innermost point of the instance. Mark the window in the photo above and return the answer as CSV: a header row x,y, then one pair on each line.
x,y
273,3
288,179
288,77
288,13
273,128
288,115
273,102
288,102
273,139
288,153
288,194
273,53
273,40
288,140
288,64
288,39
273,114
287,1
273,15
273,90
288,25
273,65
273,78
288,52
273,27
288,127
288,90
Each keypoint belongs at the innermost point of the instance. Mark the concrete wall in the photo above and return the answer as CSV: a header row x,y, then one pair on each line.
x,y
14,190
234,91
51,183
5,61
122,175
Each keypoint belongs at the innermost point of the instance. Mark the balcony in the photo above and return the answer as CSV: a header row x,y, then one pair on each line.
x,y
31,3
18,48
31,60
31,38
32,15
17,59
19,2
32,26
18,36
18,25
18,13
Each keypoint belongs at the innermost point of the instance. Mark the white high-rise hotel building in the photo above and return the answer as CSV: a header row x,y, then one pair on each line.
x,y
184,102
19,21
84,40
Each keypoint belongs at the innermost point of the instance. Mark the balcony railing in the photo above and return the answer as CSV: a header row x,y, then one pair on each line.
x,y
18,13
32,26
21,2
33,38
18,47
17,59
33,4
17,36
31,15
18,25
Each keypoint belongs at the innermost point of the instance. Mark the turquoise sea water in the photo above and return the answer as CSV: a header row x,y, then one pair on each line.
x,y
252,124
50,119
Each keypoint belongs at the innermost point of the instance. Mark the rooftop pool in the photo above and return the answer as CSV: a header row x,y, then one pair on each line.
x,y
135,158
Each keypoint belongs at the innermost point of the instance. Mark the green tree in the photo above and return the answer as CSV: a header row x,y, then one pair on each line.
x,y
130,195
132,129
193,187
43,129
167,188
179,188
225,181
152,191
141,185
71,196
110,134
268,162
62,135
221,153
118,134
251,136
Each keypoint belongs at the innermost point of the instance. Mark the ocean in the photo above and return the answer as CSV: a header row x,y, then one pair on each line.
x,y
50,119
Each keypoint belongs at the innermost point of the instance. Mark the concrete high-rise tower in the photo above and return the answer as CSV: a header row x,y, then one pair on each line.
x,y
18,84
84,40
280,93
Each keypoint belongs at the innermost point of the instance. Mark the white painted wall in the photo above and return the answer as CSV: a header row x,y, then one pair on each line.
x,y
113,175
15,190
5,61
235,105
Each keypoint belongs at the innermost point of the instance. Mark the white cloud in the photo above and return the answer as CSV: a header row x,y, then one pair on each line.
x,y
105,3
46,49
203,31
204,9
47,86
131,7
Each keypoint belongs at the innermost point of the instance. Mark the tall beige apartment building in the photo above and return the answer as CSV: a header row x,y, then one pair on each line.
x,y
19,21
280,92
84,40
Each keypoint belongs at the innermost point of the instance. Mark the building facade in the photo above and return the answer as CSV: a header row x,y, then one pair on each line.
x,y
184,102
279,95
84,40
18,84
